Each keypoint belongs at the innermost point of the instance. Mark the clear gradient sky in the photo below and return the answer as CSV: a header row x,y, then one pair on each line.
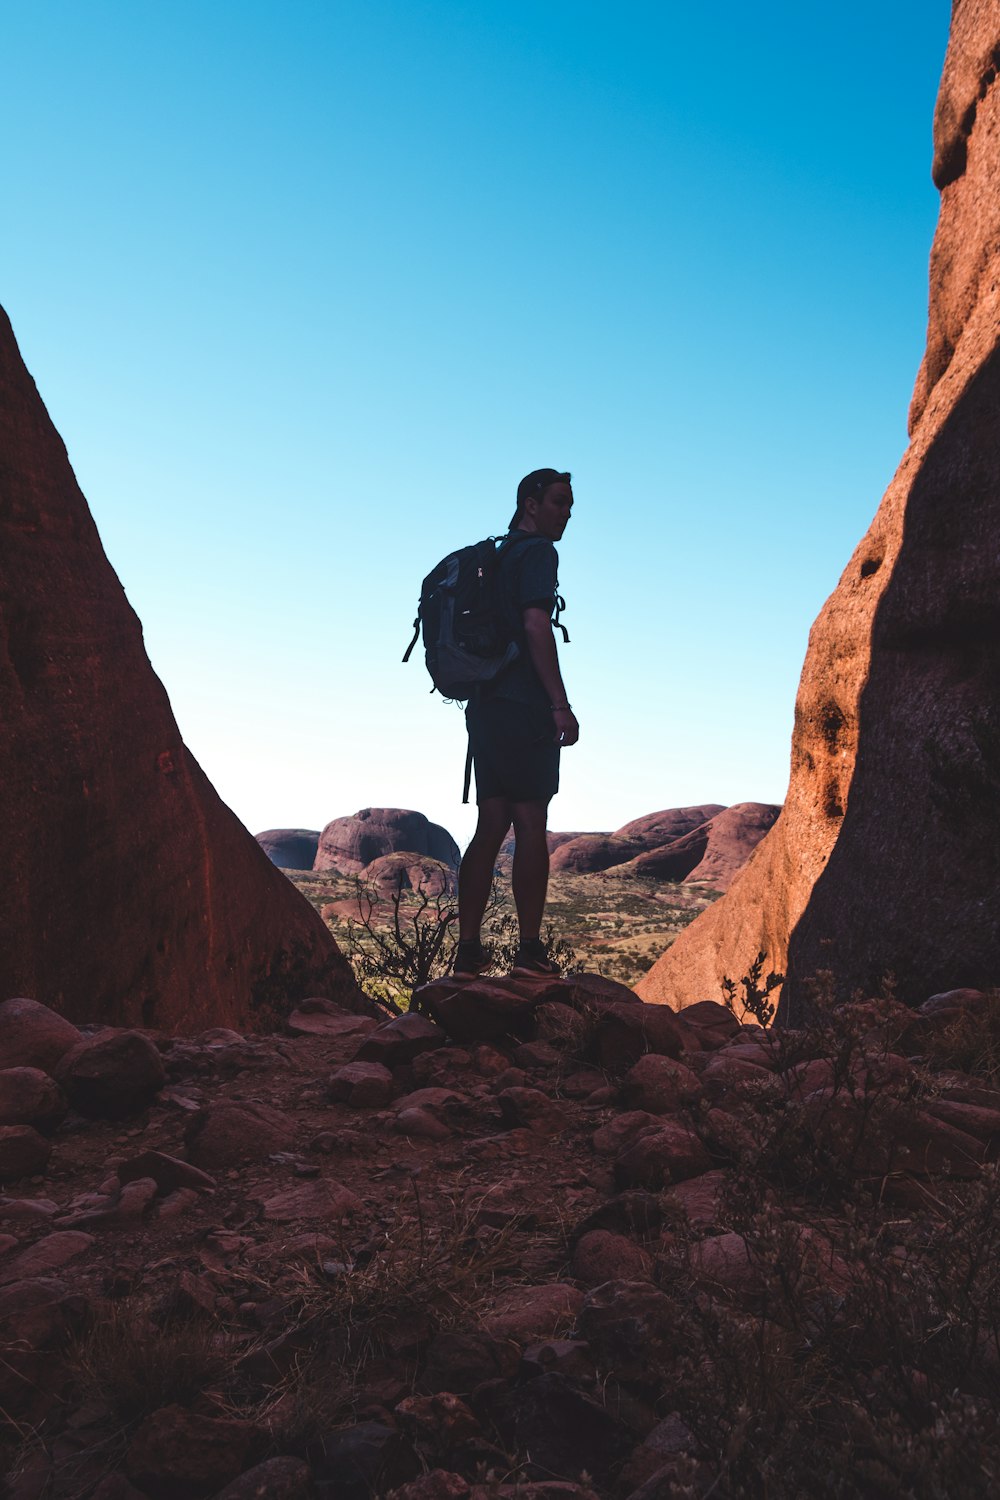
x,y
308,287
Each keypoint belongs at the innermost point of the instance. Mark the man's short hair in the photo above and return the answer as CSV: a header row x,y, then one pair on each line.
x,y
533,486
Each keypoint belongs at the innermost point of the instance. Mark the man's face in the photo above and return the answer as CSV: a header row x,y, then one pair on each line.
x,y
552,512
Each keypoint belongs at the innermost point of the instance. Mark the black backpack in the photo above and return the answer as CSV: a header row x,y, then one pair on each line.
x,y
467,639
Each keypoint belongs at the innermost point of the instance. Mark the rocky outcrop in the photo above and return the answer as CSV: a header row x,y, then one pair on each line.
x,y
349,844
130,892
407,871
290,848
589,853
885,862
713,853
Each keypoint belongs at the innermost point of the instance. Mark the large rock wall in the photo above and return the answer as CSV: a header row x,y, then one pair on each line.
x,y
886,858
129,893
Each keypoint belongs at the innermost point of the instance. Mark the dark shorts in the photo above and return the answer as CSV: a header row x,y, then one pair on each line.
x,y
514,750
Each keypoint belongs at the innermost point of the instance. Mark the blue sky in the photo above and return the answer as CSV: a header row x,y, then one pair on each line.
x,y
308,287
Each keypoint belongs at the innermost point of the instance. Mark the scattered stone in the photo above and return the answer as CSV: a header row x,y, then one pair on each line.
x,y
370,1458
26,1210
168,1172
669,1153
28,1096
533,1109
233,1135
274,1479
533,1311
179,1455
632,1329
23,1152
33,1036
603,1255
564,1431
45,1255
422,1124
400,1041
362,1085
613,1138
323,1199
303,1022
484,1010
624,1033
112,1075
660,1085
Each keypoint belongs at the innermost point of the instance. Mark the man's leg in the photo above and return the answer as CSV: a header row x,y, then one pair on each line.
x,y
530,875
475,874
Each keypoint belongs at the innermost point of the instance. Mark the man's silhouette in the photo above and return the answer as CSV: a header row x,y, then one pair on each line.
x,y
518,724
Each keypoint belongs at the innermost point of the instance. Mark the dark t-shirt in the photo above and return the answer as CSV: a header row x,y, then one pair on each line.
x,y
528,575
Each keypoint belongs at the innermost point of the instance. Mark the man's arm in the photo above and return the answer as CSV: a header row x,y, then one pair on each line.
x,y
541,642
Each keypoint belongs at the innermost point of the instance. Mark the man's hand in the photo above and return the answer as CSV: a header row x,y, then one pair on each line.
x,y
567,728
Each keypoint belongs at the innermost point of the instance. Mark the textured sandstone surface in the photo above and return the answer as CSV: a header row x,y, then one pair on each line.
x,y
588,853
130,893
885,860
714,852
348,844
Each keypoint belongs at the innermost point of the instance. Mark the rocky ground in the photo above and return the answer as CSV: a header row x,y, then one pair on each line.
x,y
532,1239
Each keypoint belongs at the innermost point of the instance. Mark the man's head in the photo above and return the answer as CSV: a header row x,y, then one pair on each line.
x,y
544,502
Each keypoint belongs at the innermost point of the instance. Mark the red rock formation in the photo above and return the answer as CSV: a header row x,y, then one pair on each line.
x,y
348,844
130,893
408,871
713,853
885,860
589,853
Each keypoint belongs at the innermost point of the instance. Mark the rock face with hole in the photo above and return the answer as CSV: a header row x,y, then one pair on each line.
x,y
885,860
131,893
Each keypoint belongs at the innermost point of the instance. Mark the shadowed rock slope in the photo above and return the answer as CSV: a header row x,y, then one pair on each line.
x,y
290,848
130,893
885,859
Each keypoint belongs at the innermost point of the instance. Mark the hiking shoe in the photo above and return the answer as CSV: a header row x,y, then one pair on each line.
x,y
471,958
532,958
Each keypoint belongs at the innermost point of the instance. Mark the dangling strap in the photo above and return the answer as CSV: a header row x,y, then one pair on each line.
x,y
556,625
416,637
468,772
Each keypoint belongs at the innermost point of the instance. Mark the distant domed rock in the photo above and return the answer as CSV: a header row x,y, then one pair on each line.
x,y
589,853
656,829
347,845
290,848
713,852
408,871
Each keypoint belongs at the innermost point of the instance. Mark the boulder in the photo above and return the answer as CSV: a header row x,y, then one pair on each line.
x,y
660,1085
112,1075
533,1311
227,1135
624,1033
401,1040
177,918
274,1479
484,1010
23,1152
179,1455
33,1036
884,859
669,1153
563,1430
50,1253
349,844
362,1085
30,1097
632,1329
601,1255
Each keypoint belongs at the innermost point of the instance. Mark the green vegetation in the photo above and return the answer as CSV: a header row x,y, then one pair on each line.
x,y
613,925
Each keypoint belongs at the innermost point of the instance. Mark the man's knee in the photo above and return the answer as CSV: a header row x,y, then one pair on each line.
x,y
529,818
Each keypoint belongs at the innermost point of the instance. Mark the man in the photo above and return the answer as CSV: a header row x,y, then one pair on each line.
x,y
518,724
